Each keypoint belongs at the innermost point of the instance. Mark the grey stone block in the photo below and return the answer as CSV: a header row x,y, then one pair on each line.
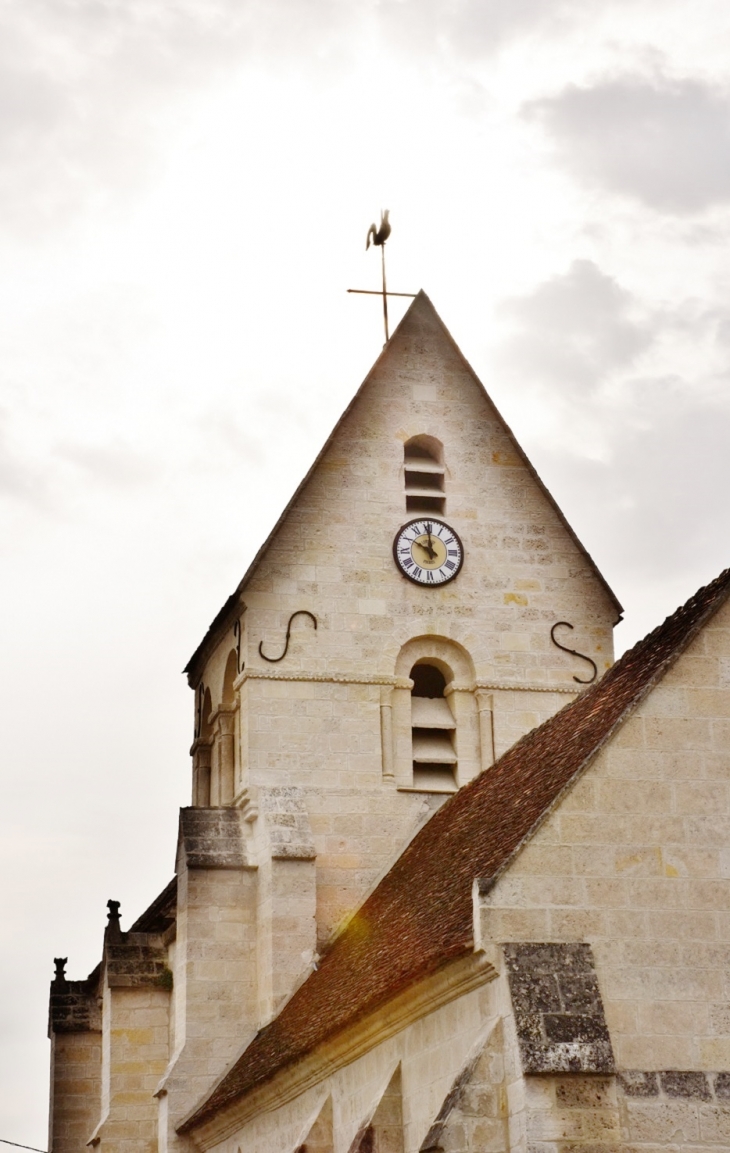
x,y
561,1026
635,1083
212,838
685,1084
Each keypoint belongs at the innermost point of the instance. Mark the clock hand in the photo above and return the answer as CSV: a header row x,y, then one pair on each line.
x,y
426,548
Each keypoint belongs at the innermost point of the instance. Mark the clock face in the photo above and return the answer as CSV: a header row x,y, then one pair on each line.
x,y
427,551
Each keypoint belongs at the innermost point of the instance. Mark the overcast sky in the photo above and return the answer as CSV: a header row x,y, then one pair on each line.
x,y
185,189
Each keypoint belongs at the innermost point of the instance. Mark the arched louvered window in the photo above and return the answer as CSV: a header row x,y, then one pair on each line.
x,y
433,730
423,461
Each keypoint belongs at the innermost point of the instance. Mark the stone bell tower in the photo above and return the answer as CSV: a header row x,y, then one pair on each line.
x,y
393,636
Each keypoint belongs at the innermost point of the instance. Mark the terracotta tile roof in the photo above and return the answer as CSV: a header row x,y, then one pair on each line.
x,y
420,915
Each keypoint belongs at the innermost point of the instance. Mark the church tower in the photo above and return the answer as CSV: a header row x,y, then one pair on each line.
x,y
420,605
393,634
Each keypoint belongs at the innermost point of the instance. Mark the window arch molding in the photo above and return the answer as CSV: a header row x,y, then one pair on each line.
x,y
459,695
446,654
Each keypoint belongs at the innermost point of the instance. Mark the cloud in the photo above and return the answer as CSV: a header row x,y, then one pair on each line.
x,y
465,27
20,479
656,506
469,29
113,464
92,92
223,444
84,85
665,143
574,330
628,410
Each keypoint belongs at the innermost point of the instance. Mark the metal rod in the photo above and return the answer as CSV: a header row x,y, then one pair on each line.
x,y
378,292
385,294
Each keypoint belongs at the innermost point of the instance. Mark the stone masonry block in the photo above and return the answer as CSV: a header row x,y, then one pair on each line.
x,y
212,838
559,1015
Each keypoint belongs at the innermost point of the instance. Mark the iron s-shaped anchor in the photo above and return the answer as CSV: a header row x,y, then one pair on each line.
x,y
574,653
298,613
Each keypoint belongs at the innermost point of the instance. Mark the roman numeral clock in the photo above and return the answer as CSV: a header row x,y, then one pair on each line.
x,y
428,551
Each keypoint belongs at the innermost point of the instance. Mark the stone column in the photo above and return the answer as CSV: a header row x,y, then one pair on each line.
x,y
402,735
225,730
386,733
485,708
201,753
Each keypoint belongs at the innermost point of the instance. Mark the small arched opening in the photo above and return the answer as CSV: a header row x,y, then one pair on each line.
x,y
424,470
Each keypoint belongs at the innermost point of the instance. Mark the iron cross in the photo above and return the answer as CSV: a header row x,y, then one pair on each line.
x,y
378,236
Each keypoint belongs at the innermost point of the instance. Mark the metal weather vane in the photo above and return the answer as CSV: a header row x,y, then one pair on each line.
x,y
378,237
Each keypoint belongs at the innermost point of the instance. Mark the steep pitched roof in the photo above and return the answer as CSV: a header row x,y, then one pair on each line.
x,y
420,915
160,914
423,317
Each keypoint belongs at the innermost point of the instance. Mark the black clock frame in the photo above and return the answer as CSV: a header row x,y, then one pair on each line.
x,y
414,580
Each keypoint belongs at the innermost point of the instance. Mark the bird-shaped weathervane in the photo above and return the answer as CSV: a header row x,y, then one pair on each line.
x,y
378,237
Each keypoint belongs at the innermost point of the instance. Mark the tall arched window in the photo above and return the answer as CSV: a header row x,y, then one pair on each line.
x,y
433,729
423,462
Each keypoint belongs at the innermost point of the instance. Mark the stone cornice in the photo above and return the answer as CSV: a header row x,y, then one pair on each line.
x,y
327,678
397,682
446,985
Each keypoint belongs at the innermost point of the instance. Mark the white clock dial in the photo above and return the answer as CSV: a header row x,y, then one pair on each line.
x,y
427,551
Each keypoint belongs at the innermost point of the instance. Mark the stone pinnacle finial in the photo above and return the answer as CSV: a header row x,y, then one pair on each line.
x,y
113,915
60,974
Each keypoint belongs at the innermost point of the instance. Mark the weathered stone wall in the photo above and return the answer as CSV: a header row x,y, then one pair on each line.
x,y
686,1111
473,1117
286,930
558,1012
418,1065
215,971
516,713
635,860
135,1052
75,1089
573,1114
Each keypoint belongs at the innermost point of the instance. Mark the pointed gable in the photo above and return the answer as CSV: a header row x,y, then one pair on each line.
x,y
420,915
420,384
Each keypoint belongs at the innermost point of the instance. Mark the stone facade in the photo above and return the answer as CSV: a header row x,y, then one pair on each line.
x,y
333,718
635,862
589,1009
